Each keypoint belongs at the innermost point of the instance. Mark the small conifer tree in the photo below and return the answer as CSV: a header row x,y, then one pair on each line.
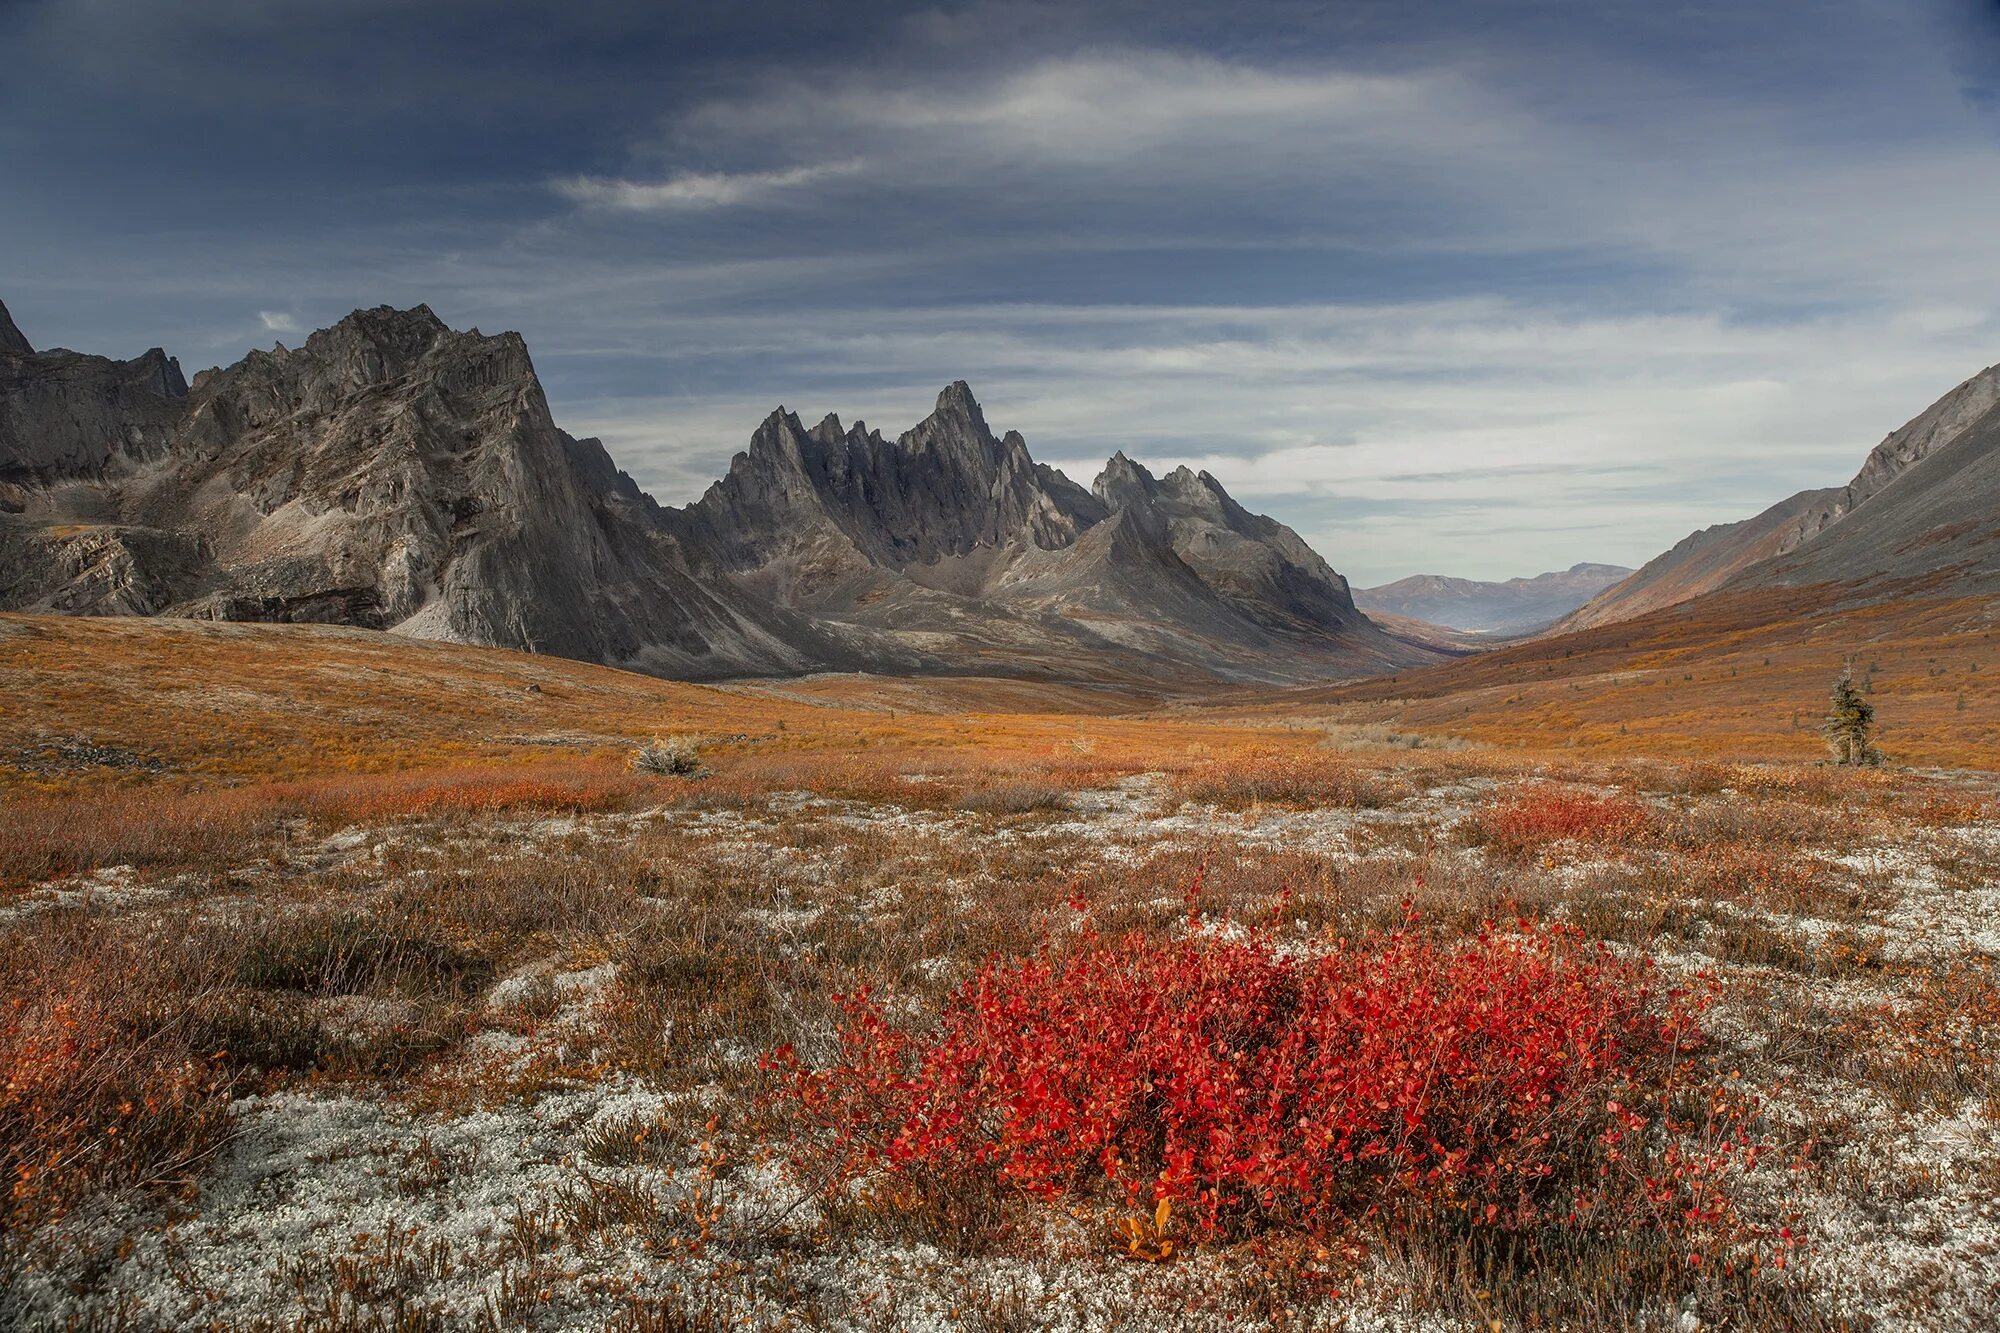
x,y
1850,724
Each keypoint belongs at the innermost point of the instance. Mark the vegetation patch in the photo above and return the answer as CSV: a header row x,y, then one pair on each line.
x,y
1511,1089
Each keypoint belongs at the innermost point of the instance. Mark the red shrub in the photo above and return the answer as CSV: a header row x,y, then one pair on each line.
x,y
1540,818
1513,1080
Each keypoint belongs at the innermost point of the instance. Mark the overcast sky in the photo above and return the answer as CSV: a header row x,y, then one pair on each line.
x,y
1450,287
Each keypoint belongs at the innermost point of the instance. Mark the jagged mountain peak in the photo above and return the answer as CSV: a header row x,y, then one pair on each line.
x,y
404,334
67,414
390,472
829,431
12,341
395,473
956,398
368,352
1123,483
957,429
389,322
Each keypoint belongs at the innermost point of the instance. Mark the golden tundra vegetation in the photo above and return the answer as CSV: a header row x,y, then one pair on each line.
x,y
353,983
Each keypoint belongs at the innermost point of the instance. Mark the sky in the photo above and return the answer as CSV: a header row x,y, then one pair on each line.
x,y
1479,289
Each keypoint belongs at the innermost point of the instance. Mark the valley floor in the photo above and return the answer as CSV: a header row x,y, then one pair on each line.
x,y
488,1045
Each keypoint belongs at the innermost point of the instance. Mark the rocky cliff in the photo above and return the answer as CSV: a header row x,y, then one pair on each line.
x,y
959,541
390,473
66,414
398,474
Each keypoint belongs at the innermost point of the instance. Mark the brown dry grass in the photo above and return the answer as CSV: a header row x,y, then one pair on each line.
x,y
1737,678
174,744
727,911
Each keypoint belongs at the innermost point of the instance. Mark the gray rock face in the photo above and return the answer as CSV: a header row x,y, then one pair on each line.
x,y
963,543
1935,427
390,473
397,474
802,511
97,569
66,414
12,341
1257,563
1929,528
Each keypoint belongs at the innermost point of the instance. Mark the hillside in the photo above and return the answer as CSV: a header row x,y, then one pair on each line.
x,y
1727,676
1918,509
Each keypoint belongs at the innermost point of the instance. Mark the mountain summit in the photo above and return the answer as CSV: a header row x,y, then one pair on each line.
x,y
12,341
390,473
955,544
395,473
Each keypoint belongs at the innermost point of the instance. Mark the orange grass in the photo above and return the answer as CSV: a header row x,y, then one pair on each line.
x,y
1305,779
201,702
47,836
1730,678
162,743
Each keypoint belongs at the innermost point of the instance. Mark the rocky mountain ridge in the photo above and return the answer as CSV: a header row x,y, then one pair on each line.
x,y
1918,511
67,413
1501,608
397,474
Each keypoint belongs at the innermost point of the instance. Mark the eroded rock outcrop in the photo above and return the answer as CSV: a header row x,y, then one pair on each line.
x,y
390,473
394,473
66,414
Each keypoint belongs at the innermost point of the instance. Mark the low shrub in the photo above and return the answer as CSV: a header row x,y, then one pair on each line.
x,y
99,1085
1542,818
668,756
346,952
1014,796
1515,1083
1306,780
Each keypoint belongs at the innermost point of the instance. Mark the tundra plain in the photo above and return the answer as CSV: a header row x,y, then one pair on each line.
x,y
353,983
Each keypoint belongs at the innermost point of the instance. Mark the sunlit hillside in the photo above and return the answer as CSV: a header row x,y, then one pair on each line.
x,y
1739,677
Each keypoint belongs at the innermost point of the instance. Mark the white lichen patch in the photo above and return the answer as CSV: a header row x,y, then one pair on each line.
x,y
542,1167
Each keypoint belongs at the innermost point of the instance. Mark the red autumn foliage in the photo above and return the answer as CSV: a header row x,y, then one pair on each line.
x,y
1540,818
1511,1081
87,1100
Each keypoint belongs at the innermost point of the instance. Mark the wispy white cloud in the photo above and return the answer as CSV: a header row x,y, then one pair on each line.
x,y
1105,106
697,190
1756,291
278,321
1481,436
